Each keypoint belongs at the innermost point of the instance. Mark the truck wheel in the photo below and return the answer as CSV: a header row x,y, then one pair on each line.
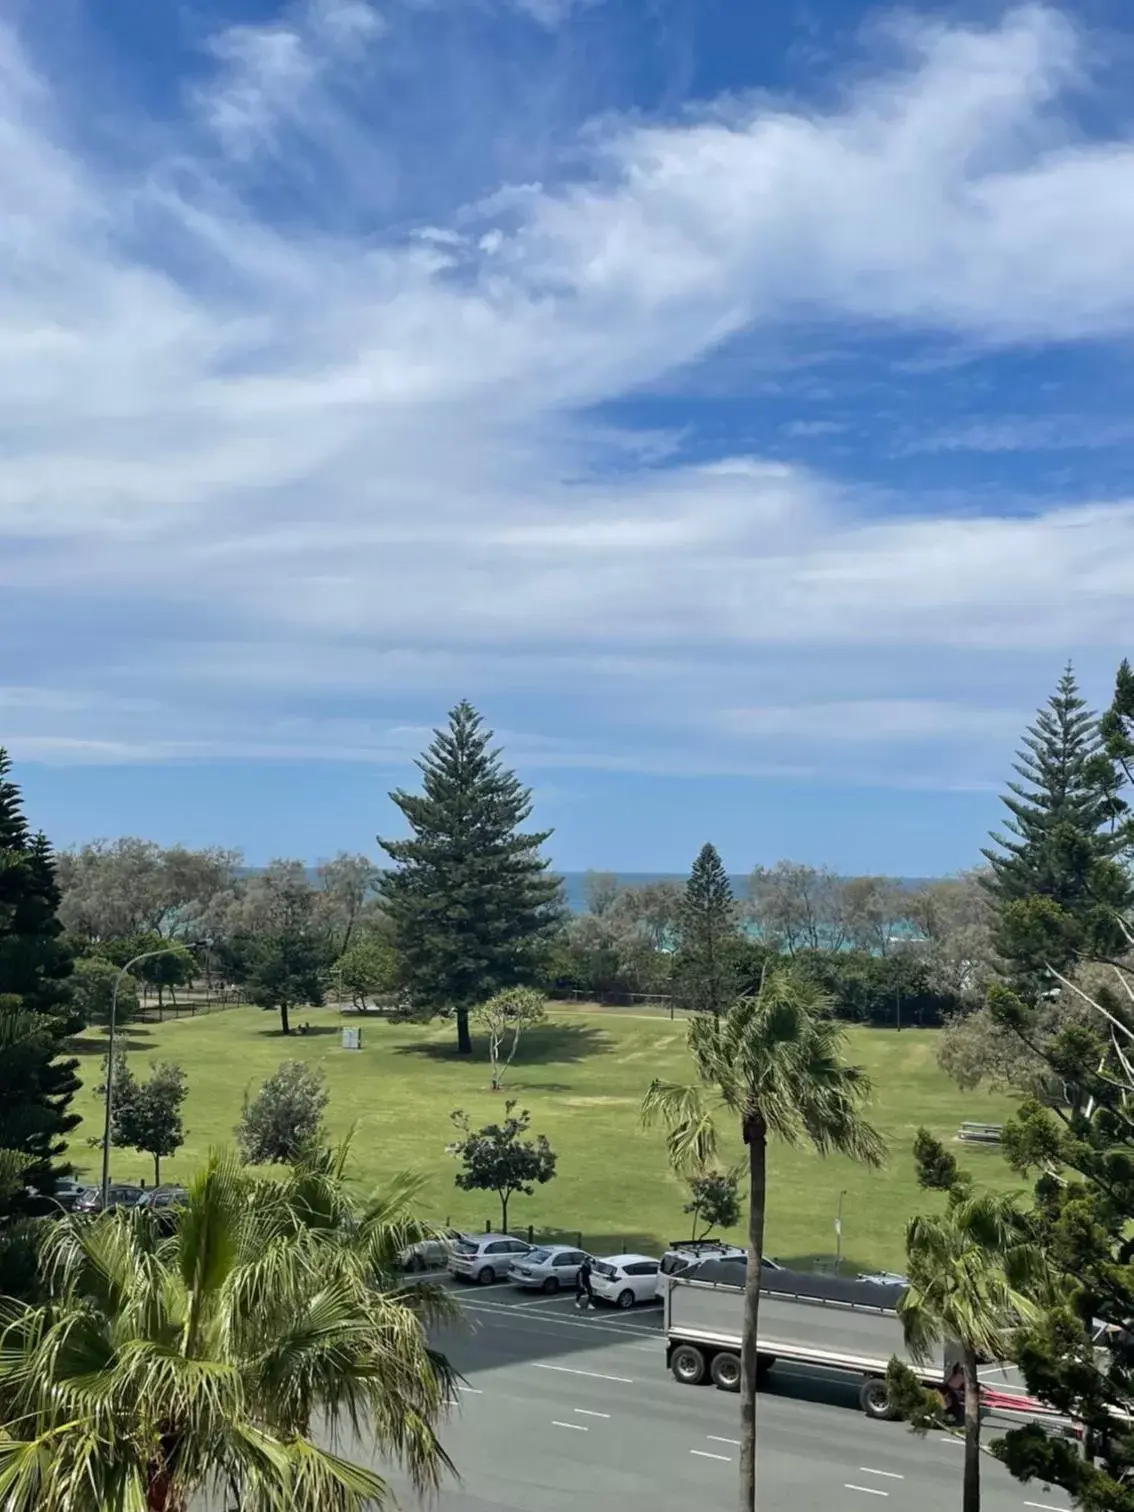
x,y
688,1365
873,1400
725,1371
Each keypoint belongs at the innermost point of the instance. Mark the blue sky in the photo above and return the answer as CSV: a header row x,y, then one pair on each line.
x,y
735,407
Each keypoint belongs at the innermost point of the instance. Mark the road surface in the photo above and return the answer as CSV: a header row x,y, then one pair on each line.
x,y
562,1412
566,1412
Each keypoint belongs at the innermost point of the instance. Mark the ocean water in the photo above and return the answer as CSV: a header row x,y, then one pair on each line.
x,y
574,884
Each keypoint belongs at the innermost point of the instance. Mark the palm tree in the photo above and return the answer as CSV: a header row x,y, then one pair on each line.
x,y
202,1355
970,1273
774,1062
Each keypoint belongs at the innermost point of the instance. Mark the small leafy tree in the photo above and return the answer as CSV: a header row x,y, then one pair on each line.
x,y
287,970
714,1201
367,969
508,1013
497,1159
147,1115
93,992
173,967
285,1118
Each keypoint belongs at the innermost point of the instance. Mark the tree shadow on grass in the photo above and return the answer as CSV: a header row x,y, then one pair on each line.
x,y
550,1044
275,1032
130,1038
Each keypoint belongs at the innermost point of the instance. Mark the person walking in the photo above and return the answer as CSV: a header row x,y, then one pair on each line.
x,y
584,1296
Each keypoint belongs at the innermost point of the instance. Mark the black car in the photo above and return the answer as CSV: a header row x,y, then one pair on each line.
x,y
158,1199
119,1195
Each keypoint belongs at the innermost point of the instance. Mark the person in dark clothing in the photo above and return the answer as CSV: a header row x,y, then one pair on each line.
x,y
584,1296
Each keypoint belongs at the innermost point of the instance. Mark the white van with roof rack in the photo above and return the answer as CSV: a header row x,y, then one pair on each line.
x,y
684,1253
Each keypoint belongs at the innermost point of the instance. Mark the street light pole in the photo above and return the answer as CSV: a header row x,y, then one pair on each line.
x,y
108,1109
839,1236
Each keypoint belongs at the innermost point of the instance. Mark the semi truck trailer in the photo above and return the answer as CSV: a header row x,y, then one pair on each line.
x,y
822,1322
843,1326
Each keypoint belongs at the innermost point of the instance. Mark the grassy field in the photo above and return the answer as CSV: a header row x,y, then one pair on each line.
x,y
582,1076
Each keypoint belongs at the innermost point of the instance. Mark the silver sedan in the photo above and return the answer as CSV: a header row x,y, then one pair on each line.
x,y
547,1268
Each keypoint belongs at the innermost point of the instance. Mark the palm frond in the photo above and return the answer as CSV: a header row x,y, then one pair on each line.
x,y
971,1271
207,1355
691,1135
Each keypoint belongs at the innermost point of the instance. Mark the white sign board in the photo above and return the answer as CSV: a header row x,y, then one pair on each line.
x,y
352,1039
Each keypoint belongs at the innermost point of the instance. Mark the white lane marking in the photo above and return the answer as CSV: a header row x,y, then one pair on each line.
x,y
595,1375
715,1438
889,1474
866,1490
452,1401
575,1427
472,1390
503,1309
1046,1507
586,1412
704,1454
951,1438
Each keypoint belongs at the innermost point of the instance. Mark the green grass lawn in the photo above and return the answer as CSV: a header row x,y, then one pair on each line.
x,y
582,1076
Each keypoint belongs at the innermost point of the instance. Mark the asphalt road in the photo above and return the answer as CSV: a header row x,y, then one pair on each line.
x,y
566,1412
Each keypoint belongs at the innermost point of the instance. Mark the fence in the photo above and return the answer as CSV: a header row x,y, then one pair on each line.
x,y
617,999
189,1005
607,1243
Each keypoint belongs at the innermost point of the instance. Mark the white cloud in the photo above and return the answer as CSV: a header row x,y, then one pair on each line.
x,y
275,74
875,721
262,452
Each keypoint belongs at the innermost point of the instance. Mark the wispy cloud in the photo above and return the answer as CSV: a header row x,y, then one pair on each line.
x,y
234,426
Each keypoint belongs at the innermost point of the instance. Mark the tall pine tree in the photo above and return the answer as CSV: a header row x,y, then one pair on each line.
x,y
1076,1354
470,901
1055,879
36,1082
706,970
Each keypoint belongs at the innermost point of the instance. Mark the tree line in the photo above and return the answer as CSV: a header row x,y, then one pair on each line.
x,y
398,937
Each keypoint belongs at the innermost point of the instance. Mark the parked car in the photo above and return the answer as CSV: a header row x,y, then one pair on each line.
x,y
683,1253
625,1279
158,1198
68,1192
119,1195
429,1254
547,1268
485,1258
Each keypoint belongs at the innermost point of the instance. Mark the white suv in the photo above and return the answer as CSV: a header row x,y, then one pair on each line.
x,y
485,1258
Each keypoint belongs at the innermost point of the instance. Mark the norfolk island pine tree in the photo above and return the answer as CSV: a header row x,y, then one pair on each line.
x,y
470,902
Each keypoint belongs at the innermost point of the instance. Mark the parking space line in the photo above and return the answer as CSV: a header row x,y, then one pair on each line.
x,y
595,1375
500,1309
704,1454
715,1438
1046,1507
586,1412
866,1490
472,1390
889,1474
575,1427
